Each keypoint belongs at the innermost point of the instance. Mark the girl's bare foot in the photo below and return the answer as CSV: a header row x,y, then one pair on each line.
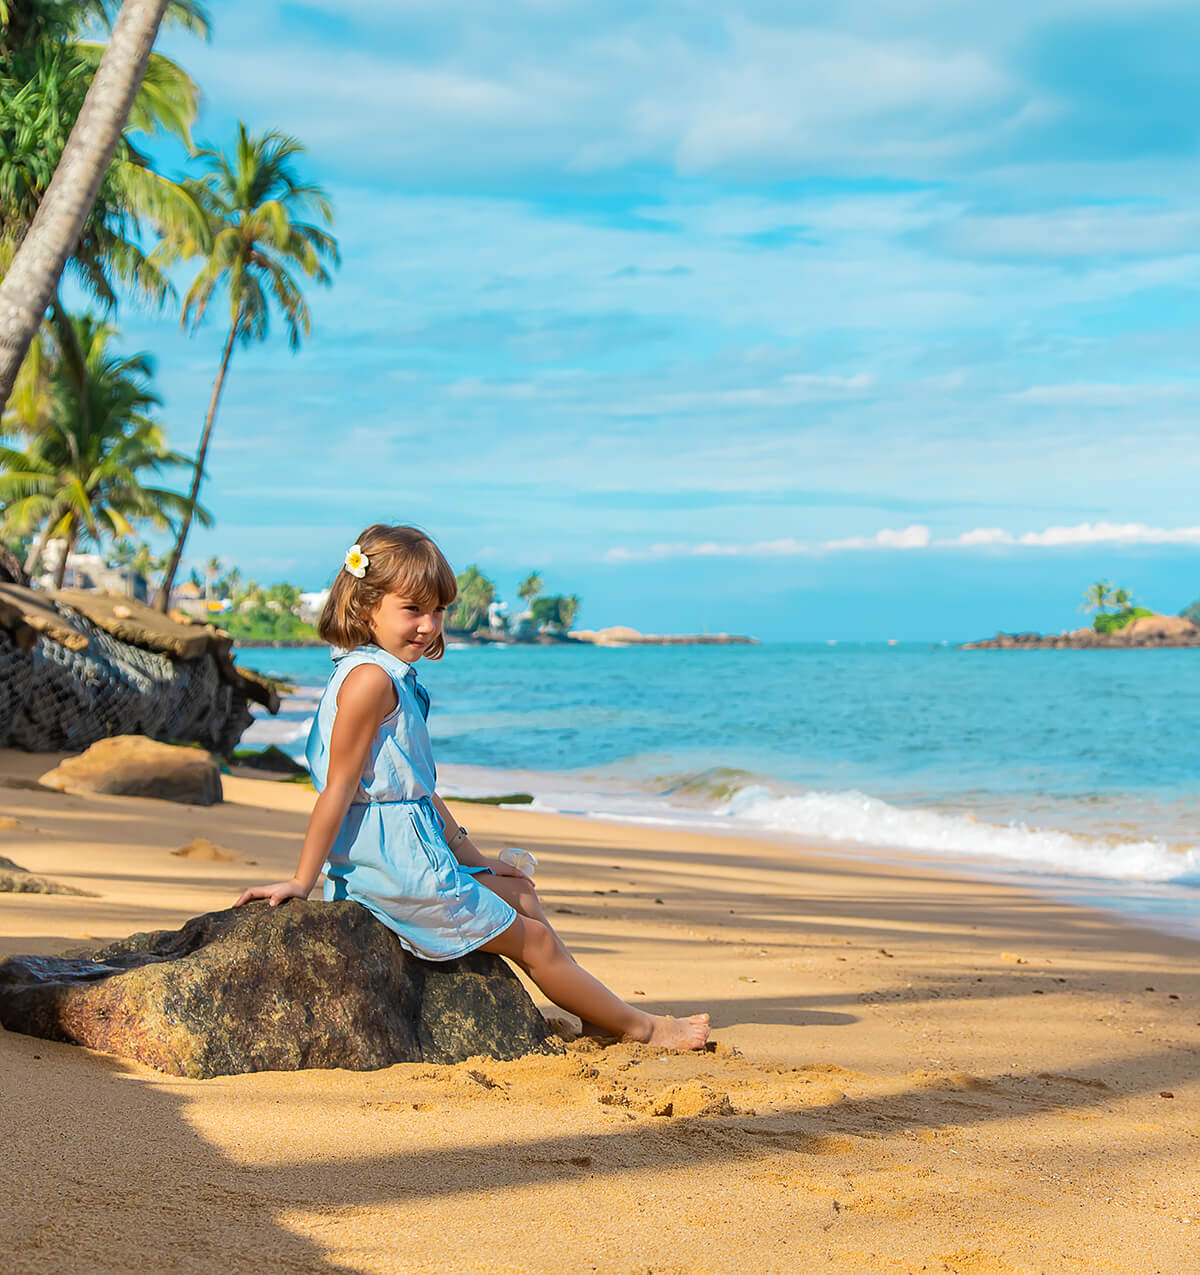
x,y
677,1033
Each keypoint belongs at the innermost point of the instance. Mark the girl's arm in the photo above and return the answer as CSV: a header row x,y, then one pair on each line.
x,y
466,852
362,703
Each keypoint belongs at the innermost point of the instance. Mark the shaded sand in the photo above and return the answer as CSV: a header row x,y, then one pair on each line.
x,y
911,1073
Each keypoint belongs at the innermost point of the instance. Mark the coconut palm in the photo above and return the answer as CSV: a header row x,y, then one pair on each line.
x,y
475,594
84,474
256,239
32,279
1098,596
530,587
45,73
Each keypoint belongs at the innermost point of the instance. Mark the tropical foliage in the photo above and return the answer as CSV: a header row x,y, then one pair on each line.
x,y
1192,613
557,612
83,473
260,231
46,70
475,594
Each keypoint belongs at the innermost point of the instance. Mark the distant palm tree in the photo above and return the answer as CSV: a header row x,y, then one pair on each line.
x,y
1098,596
211,571
1122,599
31,280
568,609
475,594
84,473
255,239
530,587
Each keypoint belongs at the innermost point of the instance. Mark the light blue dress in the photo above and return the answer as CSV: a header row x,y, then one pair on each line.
x,y
391,853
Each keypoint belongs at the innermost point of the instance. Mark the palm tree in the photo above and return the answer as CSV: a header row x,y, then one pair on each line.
x,y
1122,599
84,472
475,595
530,587
211,571
45,72
255,239
568,609
1097,597
32,279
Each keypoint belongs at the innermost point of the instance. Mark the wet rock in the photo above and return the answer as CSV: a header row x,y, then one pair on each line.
x,y
307,984
136,766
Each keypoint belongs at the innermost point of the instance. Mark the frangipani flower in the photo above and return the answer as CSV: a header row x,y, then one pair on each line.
x,y
356,562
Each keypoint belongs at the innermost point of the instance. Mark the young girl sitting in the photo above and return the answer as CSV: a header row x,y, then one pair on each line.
x,y
380,832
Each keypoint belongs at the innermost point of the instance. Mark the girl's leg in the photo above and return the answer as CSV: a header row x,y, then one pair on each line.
x,y
520,892
540,953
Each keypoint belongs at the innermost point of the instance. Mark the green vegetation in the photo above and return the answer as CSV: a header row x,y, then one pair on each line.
x,y
83,471
255,237
507,799
1100,596
1192,613
78,447
475,594
556,612
1113,623
547,614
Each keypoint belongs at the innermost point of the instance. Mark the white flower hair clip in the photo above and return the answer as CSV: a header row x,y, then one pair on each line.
x,y
356,562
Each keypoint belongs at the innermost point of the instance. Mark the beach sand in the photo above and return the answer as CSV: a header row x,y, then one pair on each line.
x,y
912,1073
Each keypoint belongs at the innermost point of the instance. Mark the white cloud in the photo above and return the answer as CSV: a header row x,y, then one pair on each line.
x,y
1100,394
920,537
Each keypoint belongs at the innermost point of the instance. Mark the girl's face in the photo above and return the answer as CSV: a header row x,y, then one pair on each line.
x,y
404,627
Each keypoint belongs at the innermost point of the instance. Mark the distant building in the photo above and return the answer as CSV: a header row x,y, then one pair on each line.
x,y
89,571
498,617
311,606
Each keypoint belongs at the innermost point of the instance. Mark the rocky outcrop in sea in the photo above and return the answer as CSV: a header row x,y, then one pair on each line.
x,y
1149,631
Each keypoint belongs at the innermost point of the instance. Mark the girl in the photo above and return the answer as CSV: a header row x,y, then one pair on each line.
x,y
382,834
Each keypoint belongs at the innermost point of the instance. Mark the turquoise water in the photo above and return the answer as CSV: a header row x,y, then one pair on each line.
x,y
1074,766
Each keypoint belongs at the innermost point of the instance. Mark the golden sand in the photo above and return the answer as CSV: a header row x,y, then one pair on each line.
x,y
912,1073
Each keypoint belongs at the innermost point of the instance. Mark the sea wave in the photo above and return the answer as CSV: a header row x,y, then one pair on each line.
x,y
273,730
865,820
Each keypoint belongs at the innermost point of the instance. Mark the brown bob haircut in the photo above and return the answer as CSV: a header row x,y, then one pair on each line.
x,y
400,560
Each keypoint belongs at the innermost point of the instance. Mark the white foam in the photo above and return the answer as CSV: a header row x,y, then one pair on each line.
x,y
274,730
856,817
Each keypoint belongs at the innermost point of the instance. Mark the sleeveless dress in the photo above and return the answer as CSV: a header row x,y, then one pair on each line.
x,y
390,854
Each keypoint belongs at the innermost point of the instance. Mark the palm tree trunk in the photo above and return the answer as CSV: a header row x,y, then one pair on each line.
x,y
177,553
38,265
72,353
61,570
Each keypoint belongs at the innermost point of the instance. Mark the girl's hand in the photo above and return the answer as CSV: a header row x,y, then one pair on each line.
x,y
501,869
275,894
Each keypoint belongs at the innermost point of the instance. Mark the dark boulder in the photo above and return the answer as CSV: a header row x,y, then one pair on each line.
x,y
307,984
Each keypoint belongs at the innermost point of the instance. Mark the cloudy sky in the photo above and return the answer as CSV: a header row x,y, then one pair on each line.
x,y
862,319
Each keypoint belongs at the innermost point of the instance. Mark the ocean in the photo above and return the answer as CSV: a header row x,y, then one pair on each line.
x,y
1074,773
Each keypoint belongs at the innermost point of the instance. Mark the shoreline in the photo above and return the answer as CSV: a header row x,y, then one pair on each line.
x,y
921,1048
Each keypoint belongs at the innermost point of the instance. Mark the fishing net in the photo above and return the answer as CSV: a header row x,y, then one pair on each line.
x,y
65,682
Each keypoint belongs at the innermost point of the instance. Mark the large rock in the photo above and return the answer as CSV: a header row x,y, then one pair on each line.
x,y
306,984
1153,629
135,766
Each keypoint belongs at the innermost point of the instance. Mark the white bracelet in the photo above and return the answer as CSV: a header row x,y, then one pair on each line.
x,y
461,835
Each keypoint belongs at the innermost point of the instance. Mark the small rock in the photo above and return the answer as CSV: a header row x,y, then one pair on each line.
x,y
135,766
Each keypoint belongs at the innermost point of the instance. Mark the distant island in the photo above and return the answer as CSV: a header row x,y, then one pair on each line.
x,y
617,635
1123,627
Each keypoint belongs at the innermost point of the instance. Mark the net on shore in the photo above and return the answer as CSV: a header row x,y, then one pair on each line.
x,y
66,681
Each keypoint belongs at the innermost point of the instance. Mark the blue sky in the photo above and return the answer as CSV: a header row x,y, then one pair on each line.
x,y
854,320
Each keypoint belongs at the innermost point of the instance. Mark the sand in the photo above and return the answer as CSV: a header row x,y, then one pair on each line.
x,y
912,1073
